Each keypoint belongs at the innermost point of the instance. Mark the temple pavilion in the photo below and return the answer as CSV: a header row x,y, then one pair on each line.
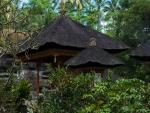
x,y
62,41
142,52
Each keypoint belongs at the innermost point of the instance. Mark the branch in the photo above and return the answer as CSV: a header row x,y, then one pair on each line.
x,y
5,4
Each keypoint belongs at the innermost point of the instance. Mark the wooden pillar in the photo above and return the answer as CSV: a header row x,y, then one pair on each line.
x,y
60,63
38,78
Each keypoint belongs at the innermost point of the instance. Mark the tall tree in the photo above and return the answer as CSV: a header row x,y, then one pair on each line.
x,y
128,20
131,24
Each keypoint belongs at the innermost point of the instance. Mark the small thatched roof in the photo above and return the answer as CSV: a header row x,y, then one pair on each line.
x,y
5,61
12,35
93,57
110,44
142,52
69,33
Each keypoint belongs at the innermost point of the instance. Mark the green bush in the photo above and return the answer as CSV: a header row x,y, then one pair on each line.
x,y
13,96
80,94
121,96
66,95
21,89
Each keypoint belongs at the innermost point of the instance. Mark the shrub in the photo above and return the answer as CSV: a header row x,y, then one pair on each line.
x,y
121,96
80,94
67,92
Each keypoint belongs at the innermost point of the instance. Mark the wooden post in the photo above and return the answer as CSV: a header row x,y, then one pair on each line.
x,y
37,79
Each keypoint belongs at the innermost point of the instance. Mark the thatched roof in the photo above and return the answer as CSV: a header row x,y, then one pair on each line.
x,y
142,52
67,32
93,56
103,41
6,61
12,35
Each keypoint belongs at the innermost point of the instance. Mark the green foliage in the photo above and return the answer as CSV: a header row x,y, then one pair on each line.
x,y
121,96
134,69
12,97
127,20
80,94
67,92
130,23
6,99
40,13
21,90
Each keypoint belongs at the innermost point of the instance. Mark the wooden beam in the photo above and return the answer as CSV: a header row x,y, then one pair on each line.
x,y
47,53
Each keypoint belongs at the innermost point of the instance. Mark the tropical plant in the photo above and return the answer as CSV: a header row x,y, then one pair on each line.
x,y
66,92
13,97
83,94
121,96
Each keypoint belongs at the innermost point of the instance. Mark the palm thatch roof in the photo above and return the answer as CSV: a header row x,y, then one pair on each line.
x,y
142,52
12,35
5,61
95,57
103,41
69,33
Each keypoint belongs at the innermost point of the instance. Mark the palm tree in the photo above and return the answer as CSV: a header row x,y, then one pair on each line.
x,y
113,6
77,2
112,9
